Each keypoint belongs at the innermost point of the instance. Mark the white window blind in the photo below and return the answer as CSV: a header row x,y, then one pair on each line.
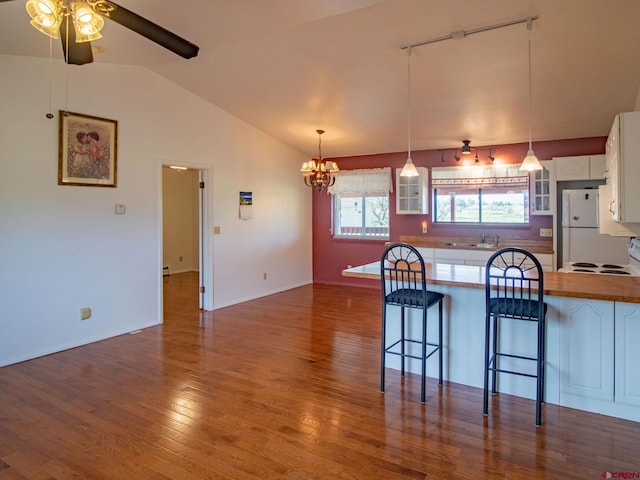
x,y
479,176
364,181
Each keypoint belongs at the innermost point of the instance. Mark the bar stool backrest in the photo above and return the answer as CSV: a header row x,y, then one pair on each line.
x,y
514,284
403,276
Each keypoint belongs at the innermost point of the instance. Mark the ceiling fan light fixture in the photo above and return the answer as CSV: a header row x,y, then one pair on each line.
x,y
86,22
46,16
466,149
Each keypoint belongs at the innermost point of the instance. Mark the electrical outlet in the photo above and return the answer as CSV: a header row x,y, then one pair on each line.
x,y
180,257
85,313
264,276
546,232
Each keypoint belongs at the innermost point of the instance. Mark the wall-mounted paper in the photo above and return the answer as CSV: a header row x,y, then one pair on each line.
x,y
246,204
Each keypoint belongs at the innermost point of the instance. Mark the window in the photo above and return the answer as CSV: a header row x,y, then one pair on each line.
x,y
361,203
492,194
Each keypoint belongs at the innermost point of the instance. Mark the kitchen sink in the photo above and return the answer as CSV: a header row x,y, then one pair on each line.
x,y
472,245
484,245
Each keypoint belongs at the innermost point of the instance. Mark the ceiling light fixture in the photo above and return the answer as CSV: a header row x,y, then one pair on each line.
x,y
477,159
530,162
491,157
47,15
409,169
466,149
442,157
456,157
318,173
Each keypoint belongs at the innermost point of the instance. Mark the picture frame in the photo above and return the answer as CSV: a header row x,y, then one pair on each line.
x,y
88,150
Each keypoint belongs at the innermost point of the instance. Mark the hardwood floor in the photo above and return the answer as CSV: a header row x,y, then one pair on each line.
x,y
281,387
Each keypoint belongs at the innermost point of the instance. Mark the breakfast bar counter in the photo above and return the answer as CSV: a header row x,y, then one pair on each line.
x,y
592,331
613,288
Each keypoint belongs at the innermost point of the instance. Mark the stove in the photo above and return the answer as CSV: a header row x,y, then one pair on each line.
x,y
631,269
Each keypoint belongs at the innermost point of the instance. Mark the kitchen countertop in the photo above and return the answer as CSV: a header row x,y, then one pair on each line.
x,y
533,246
613,288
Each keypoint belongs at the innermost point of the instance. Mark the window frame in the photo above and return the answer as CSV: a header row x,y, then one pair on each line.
x,y
480,192
336,208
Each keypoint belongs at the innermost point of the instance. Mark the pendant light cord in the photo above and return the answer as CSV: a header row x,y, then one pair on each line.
x,y
409,103
529,24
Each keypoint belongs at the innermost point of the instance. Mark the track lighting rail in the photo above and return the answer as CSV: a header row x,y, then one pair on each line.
x,y
463,33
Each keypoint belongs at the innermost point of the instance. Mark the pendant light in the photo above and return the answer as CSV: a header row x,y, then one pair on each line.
x,y
409,169
530,162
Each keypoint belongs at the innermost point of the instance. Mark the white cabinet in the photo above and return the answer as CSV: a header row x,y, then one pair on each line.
x,y
412,193
597,166
542,189
479,257
581,167
586,352
623,167
627,353
606,223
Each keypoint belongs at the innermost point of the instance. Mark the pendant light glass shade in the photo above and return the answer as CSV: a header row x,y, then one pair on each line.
x,y
409,169
530,162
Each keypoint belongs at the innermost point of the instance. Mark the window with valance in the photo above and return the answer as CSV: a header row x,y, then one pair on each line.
x,y
361,203
480,194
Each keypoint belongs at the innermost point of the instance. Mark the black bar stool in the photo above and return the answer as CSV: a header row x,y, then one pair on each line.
x,y
404,285
514,291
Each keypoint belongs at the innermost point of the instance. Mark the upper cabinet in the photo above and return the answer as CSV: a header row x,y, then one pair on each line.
x,y
581,167
412,193
542,189
623,167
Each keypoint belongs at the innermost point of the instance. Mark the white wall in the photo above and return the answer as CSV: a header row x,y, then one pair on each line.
x,y
180,220
63,248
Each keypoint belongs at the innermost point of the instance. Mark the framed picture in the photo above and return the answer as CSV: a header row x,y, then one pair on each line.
x,y
87,150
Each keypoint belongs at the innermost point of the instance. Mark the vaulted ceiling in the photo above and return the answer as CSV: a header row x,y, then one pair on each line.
x,y
289,67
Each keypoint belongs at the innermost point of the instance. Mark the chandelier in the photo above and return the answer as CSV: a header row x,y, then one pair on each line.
x,y
47,15
317,172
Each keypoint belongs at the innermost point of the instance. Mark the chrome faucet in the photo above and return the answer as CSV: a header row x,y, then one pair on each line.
x,y
482,238
496,238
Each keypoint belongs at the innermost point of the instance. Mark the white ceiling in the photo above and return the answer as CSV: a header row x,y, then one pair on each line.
x,y
289,67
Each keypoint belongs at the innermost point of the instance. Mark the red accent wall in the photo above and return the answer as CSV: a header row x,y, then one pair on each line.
x,y
332,255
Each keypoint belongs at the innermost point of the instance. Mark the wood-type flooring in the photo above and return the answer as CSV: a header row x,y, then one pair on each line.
x,y
282,387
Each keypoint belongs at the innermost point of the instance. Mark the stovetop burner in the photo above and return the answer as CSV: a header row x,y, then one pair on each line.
x,y
617,272
583,270
585,265
611,265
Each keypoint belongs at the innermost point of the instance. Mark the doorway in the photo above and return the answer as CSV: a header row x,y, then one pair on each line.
x,y
184,253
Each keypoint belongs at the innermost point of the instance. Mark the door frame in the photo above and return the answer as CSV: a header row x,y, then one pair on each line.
x,y
205,240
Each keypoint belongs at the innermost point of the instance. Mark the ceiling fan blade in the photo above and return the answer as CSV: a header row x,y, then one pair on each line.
x,y
147,28
78,53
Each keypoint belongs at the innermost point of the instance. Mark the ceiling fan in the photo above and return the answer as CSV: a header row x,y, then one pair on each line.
x,y
54,17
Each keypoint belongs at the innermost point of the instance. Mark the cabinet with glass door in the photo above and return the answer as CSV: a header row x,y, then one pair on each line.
x,y
412,192
542,189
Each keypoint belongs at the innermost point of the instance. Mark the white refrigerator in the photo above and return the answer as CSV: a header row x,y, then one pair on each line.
x,y
581,240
